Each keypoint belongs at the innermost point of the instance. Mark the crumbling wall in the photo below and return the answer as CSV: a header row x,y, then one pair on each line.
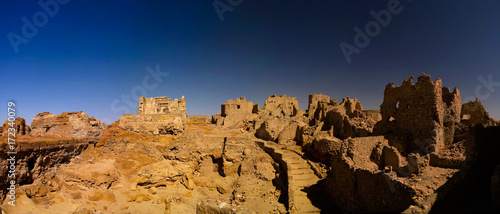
x,y
157,116
280,106
161,105
314,101
235,113
474,113
345,119
425,111
237,106
155,124
356,183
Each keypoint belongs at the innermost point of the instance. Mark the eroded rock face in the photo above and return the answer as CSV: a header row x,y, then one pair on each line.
x,y
33,160
67,125
426,111
19,125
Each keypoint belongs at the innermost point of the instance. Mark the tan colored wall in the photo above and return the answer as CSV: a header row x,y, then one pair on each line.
x,y
161,105
425,110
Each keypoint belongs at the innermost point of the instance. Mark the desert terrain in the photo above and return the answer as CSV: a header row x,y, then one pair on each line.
x,y
423,151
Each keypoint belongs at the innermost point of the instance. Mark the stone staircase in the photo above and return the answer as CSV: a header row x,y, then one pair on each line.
x,y
305,193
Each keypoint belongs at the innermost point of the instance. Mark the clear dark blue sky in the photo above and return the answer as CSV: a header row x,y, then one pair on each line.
x,y
91,53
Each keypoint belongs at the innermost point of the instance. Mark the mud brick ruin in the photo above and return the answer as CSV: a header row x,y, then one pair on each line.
x,y
159,115
426,112
422,152
161,105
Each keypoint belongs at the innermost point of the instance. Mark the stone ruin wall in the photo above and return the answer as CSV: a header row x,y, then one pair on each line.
x,y
474,113
426,111
238,106
281,106
161,105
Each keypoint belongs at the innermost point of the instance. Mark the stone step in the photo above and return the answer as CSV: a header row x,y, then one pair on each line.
x,y
305,206
308,176
310,191
302,172
302,166
296,161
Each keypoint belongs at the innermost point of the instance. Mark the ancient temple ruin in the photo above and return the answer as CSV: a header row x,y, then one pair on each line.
x,y
157,116
238,106
161,105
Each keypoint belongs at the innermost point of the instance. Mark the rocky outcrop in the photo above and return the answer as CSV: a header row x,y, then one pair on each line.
x,y
34,159
424,112
74,125
19,125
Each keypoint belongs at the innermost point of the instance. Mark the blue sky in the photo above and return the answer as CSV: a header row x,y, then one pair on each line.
x,y
90,54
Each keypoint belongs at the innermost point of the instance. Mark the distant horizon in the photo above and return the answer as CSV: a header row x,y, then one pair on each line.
x,y
302,105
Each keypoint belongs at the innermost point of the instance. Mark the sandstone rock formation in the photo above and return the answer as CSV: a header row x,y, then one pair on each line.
x,y
34,160
159,115
19,125
73,125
